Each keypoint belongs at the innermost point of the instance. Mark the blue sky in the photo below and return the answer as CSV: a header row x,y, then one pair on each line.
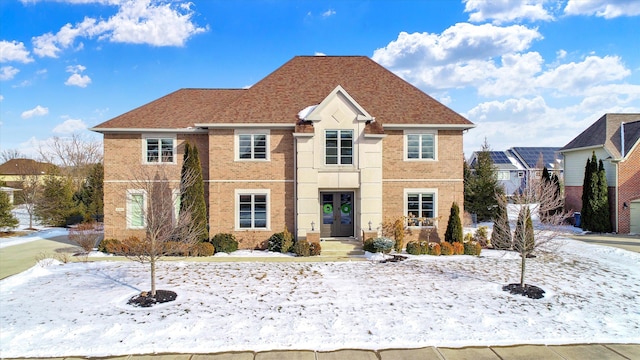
x,y
526,72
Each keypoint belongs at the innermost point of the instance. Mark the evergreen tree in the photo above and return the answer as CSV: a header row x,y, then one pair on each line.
x,y
454,226
587,191
501,235
481,186
56,203
7,220
601,219
192,195
90,197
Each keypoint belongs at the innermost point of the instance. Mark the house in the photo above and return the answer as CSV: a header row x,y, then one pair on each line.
x,y
15,171
10,192
327,147
515,166
615,139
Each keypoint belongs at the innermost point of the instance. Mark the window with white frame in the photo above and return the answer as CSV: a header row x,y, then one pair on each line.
x,y
420,145
420,206
159,149
136,209
252,144
503,175
338,147
252,209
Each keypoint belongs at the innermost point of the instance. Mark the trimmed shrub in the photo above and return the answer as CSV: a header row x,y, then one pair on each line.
x,y
176,248
446,248
468,237
454,226
458,248
302,248
203,249
314,248
414,248
424,247
434,249
472,248
383,244
110,246
482,236
224,242
398,234
281,242
368,245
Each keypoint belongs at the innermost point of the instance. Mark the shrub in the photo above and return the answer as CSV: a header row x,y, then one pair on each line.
x,y
472,248
414,248
281,242
302,248
314,249
446,248
482,236
368,245
434,249
454,226
176,248
458,248
223,242
468,237
203,249
383,244
398,234
110,246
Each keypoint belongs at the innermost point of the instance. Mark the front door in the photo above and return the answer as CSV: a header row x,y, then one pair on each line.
x,y
337,214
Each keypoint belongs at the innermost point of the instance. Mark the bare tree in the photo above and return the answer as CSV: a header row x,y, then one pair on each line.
x,y
540,199
167,231
74,155
31,180
86,236
10,154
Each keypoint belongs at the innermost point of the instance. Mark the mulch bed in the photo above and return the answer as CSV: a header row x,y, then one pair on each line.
x,y
530,291
395,258
145,299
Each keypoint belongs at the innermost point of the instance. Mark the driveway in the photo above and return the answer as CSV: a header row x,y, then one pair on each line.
x,y
627,242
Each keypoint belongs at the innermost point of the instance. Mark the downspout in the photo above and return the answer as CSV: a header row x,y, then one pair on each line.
x,y
295,187
617,163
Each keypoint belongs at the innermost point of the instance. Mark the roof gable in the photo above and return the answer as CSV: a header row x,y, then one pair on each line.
x,y
25,167
314,115
605,132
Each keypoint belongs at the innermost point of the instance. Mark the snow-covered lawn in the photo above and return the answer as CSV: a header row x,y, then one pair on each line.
x,y
53,309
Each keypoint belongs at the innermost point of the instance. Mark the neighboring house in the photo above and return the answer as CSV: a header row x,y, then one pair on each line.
x,y
10,192
325,146
15,171
514,167
615,140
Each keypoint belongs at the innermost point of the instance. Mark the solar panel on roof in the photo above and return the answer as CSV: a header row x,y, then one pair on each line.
x,y
531,155
499,157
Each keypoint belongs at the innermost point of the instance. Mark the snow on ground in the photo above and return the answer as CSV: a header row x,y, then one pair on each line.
x,y
79,309
22,215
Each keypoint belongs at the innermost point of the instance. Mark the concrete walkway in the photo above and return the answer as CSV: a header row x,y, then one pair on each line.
x,y
627,242
520,352
17,258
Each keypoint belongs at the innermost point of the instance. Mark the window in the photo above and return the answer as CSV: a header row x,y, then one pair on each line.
x,y
251,145
136,209
339,147
503,175
420,206
159,150
420,146
252,209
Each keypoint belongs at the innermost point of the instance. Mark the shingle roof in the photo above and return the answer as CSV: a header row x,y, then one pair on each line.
x,y
24,167
605,132
279,97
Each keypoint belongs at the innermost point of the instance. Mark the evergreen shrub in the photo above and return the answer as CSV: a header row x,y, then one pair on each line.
x,y
314,248
302,248
446,248
368,245
434,249
383,244
203,249
472,248
458,248
281,242
224,242
414,248
110,246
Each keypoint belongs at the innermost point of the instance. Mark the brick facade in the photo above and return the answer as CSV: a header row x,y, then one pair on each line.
x,y
629,188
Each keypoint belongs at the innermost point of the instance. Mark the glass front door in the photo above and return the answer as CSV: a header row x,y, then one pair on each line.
x,y
337,214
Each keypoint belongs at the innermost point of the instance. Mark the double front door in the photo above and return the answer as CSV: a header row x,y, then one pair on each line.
x,y
337,214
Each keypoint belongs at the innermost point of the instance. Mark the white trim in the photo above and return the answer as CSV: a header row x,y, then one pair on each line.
x,y
433,191
422,180
405,145
173,137
129,208
247,126
237,194
429,126
236,144
314,115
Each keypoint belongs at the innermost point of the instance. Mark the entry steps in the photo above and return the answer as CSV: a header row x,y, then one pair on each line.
x,y
341,247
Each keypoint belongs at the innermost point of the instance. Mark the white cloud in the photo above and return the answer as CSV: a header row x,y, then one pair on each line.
x,y
328,13
607,9
574,78
8,72
14,51
69,126
1,97
37,111
136,22
505,11
78,80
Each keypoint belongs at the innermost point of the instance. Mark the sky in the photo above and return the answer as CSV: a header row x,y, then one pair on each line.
x,y
526,72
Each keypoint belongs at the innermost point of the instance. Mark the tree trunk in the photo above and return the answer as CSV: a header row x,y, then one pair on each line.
x,y
522,267
153,277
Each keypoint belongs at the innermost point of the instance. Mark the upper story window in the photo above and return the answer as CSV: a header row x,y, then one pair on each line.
x,y
420,145
159,149
252,145
339,147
